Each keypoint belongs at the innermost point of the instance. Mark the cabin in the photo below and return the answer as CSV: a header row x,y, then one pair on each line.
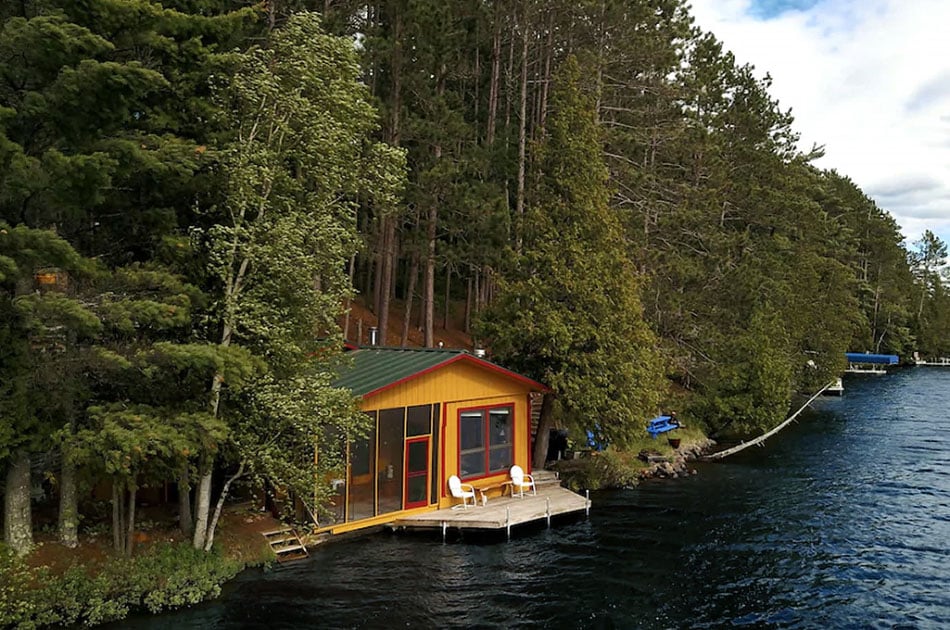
x,y
434,413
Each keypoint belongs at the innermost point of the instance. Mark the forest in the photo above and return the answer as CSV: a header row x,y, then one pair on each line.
x,y
193,192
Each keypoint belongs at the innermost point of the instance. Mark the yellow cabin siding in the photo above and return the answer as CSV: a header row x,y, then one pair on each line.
x,y
455,387
458,381
450,453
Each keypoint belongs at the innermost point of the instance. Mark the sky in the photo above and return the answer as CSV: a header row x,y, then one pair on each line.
x,y
867,79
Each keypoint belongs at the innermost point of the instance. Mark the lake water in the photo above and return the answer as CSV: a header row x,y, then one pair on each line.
x,y
842,520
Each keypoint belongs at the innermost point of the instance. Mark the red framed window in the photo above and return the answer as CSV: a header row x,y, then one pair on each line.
x,y
486,441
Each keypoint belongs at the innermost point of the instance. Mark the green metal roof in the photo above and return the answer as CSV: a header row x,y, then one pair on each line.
x,y
375,368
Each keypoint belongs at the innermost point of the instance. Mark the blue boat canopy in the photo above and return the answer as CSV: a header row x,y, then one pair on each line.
x,y
876,359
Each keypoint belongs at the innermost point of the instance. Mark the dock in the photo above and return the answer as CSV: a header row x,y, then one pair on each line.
x,y
867,363
939,362
501,513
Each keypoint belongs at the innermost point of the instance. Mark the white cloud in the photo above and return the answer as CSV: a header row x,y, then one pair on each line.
x,y
869,80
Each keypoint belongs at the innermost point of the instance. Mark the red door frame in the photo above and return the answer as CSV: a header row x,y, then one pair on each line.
x,y
407,474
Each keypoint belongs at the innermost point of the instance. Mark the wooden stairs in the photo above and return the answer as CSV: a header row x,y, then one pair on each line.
x,y
545,478
286,544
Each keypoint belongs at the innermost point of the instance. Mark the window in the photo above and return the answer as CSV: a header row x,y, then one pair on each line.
x,y
418,420
485,441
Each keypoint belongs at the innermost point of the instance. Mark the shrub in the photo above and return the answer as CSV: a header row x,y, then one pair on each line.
x,y
164,577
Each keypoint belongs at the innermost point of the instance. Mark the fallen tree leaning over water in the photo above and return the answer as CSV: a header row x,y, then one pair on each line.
x,y
762,438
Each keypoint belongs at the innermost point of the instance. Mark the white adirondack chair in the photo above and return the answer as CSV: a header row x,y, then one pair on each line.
x,y
463,491
520,480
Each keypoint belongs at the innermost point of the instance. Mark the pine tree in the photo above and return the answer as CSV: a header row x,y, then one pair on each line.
x,y
568,313
40,319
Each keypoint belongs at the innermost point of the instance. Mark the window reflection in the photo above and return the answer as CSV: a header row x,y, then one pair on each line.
x,y
485,447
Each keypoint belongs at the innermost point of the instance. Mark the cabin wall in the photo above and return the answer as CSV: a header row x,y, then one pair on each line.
x,y
455,389
518,402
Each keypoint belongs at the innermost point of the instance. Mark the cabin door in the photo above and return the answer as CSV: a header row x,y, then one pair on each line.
x,y
417,472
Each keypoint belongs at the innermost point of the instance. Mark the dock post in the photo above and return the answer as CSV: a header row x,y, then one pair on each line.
x,y
508,522
587,507
443,531
547,509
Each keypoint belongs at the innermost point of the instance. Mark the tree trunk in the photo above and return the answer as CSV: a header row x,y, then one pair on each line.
x,y
271,15
509,73
388,230
118,542
209,539
445,310
349,302
478,292
185,520
431,226
522,135
17,524
429,288
468,306
130,524
385,291
601,44
406,320
545,424
546,79
395,130
203,501
68,505
378,266
495,77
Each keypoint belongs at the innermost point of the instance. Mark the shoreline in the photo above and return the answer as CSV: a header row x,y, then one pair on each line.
x,y
679,464
646,459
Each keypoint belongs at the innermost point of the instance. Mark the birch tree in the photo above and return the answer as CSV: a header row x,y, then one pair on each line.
x,y
300,158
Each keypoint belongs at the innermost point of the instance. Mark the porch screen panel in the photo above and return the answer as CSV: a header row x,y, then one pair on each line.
x,y
391,449
361,501
436,446
334,446
472,444
418,420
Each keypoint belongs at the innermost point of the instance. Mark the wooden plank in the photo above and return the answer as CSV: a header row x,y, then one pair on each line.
x,y
289,549
277,531
550,501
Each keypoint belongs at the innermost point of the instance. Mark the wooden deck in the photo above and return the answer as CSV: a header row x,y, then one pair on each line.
x,y
501,513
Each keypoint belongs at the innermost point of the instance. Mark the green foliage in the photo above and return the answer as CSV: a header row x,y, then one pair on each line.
x,y
568,314
753,390
166,577
36,330
139,443
300,157
203,174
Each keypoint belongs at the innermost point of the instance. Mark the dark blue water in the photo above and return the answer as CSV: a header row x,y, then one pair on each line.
x,y
842,520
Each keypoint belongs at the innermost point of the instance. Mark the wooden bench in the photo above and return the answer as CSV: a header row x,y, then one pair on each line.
x,y
484,490
661,424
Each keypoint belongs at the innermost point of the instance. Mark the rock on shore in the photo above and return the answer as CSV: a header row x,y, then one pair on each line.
x,y
679,464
